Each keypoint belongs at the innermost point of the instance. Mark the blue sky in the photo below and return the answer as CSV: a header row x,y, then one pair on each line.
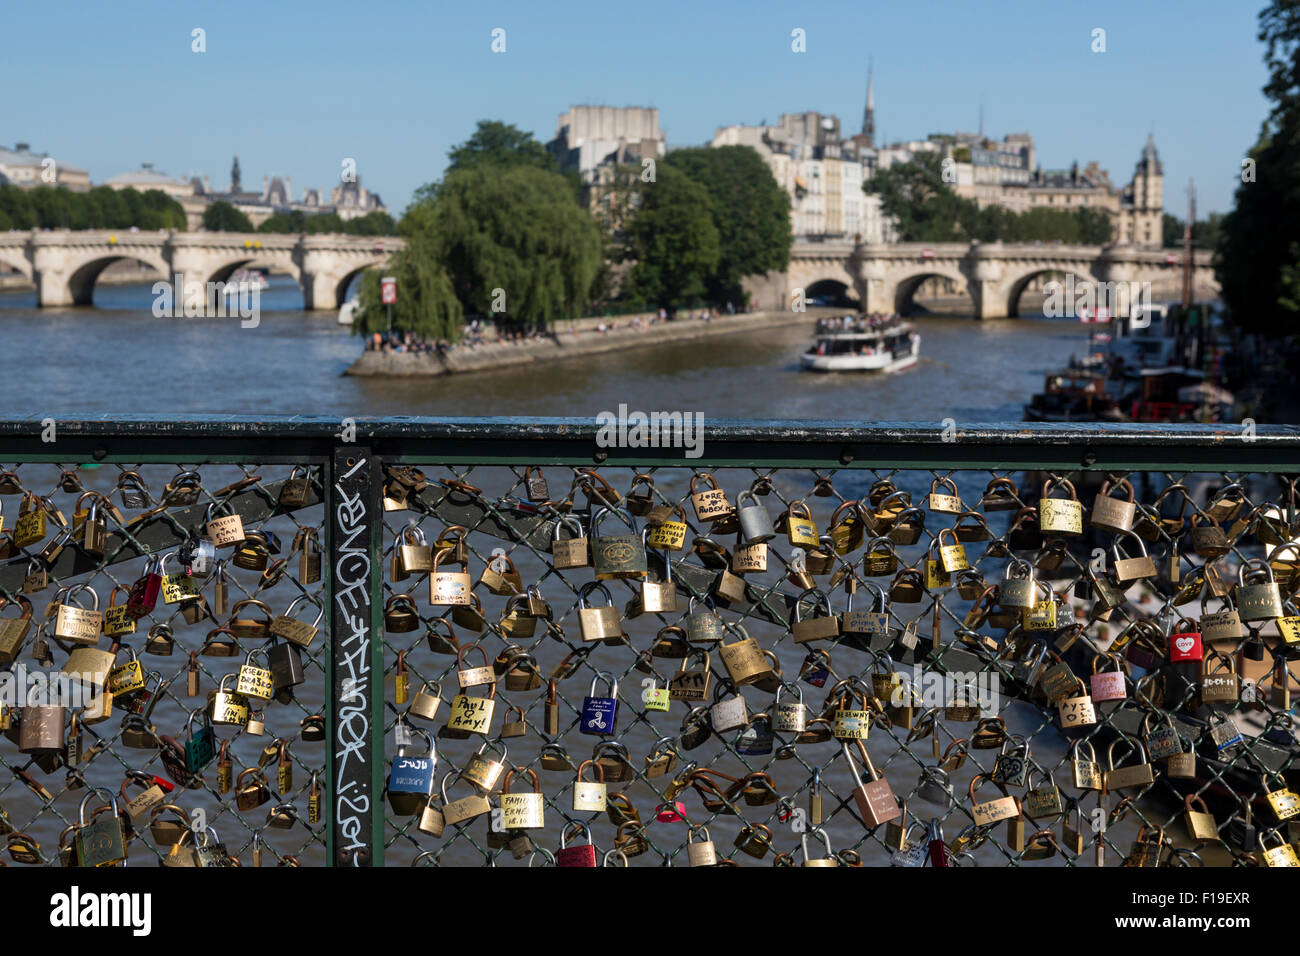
x,y
294,88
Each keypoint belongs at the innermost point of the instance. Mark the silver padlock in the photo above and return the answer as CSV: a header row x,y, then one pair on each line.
x,y
755,522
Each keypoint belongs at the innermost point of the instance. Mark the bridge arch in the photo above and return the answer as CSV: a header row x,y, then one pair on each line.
x,y
905,288
83,275
836,291
341,289
1019,284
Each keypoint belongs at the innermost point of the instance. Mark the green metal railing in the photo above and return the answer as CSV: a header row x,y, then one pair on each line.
x,y
474,476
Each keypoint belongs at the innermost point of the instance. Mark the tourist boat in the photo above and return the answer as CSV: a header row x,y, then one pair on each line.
x,y
245,281
886,349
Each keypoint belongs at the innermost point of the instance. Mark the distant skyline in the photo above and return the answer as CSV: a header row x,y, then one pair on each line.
x,y
295,89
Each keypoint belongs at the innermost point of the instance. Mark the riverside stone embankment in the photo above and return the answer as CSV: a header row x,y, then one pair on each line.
x,y
572,344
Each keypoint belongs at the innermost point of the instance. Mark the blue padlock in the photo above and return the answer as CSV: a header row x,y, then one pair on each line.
x,y
599,713
410,782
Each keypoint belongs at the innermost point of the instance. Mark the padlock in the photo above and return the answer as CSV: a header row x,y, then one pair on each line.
x,y
535,484
227,707
599,623
1018,592
1060,515
590,795
821,626
789,716
1281,855
617,555
411,554
1112,514
703,626
1107,685
571,552
500,576
1283,801
727,712
947,501
1077,710
31,526
76,624
14,630
247,627
1126,569
874,797
41,729
517,622
447,588
473,715
1185,645
669,534
411,778
1005,807
426,702
700,852
692,684
580,854
657,597
1219,683
710,503
1139,775
1043,800
523,811
599,713
254,793
797,523
1011,768
754,839
255,682
485,771
952,556
400,615
828,860
744,659
1261,601
296,631
872,622
102,840
755,522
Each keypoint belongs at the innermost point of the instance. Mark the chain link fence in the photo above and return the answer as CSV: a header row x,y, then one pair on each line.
x,y
809,647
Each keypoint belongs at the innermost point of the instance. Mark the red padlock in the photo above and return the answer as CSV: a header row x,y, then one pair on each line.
x,y
1185,647
670,812
581,854
144,593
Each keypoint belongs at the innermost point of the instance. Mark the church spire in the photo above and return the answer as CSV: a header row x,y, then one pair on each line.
x,y
869,114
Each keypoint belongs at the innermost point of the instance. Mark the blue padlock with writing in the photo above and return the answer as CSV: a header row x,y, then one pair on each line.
x,y
598,713
410,781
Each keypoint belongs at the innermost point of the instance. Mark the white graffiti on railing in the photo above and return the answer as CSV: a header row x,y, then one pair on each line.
x,y
352,602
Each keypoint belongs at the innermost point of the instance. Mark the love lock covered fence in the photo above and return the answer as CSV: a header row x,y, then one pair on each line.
x,y
492,641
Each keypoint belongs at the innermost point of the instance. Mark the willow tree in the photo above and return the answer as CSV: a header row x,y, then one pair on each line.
x,y
426,301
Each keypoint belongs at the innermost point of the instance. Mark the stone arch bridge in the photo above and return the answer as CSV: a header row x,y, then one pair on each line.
x,y
64,265
885,277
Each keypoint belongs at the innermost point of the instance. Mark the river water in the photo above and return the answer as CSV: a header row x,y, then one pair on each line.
x,y
64,362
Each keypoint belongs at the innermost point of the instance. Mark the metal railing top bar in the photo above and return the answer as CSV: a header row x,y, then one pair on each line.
x,y
561,441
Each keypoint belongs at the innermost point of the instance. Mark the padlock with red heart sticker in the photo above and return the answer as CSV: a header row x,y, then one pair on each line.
x,y
1185,647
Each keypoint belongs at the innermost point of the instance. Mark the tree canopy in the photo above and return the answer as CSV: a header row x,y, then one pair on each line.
x,y
673,240
495,143
371,224
927,210
1258,260
221,216
57,207
750,210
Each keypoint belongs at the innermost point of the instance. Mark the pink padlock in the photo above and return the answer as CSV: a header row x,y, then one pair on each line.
x,y
670,812
1108,685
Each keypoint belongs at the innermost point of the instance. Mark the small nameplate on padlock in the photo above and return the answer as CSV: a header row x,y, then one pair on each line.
x,y
476,676
866,622
1289,629
947,504
125,678
293,630
255,682
118,621
669,536
851,724
1077,712
993,811
226,530
1040,617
